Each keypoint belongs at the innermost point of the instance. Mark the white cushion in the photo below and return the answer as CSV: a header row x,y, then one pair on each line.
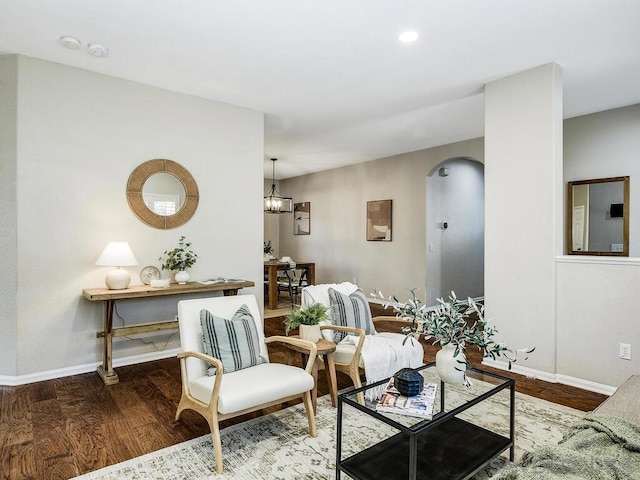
x,y
253,386
344,354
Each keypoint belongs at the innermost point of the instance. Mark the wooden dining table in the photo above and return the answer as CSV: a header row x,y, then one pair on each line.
x,y
271,269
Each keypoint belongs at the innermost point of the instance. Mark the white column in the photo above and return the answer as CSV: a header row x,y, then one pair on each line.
x,y
523,209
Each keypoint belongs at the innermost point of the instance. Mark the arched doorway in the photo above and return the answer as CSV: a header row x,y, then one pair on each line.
x,y
455,229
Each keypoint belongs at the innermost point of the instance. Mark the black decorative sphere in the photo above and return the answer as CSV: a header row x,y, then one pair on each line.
x,y
408,381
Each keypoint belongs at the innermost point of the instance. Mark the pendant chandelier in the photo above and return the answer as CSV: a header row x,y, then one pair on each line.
x,y
273,201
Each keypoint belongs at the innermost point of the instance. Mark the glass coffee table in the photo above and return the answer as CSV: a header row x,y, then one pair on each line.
x,y
455,444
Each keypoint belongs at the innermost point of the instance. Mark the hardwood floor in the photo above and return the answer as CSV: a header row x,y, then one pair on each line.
x,y
65,427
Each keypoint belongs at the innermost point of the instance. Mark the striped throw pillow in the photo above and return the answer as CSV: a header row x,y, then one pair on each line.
x,y
234,342
350,311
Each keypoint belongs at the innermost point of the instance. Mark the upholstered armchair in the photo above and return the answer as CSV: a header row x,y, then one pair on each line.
x,y
360,349
240,379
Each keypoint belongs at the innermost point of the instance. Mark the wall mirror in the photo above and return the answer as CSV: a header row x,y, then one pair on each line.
x,y
598,217
162,193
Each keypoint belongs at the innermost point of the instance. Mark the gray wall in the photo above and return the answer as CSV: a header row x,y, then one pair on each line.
x,y
337,243
455,255
607,144
8,212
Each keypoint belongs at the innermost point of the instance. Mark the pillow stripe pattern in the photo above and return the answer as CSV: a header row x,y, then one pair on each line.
x,y
350,311
234,342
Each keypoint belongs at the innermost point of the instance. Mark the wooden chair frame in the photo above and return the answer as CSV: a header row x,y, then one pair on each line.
x,y
210,411
352,369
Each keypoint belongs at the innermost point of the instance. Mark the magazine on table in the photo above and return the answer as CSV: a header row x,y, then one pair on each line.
x,y
420,405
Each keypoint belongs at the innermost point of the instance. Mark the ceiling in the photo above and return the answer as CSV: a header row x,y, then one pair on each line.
x,y
336,85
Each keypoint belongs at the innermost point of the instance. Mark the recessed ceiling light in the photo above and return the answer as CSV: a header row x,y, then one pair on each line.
x,y
98,50
70,42
408,37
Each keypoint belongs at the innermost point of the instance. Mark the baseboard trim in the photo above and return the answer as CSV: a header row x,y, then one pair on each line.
x,y
10,381
552,377
586,384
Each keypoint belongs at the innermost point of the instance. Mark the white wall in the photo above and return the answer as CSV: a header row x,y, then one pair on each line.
x,y
597,310
8,213
337,243
80,135
523,209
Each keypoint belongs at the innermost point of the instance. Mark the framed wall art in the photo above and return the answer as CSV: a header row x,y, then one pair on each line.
x,y
379,220
302,218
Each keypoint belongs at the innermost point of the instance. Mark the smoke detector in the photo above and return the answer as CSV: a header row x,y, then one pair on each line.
x,y
70,42
98,50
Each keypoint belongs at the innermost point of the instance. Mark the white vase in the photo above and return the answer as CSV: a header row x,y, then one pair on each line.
x,y
182,277
310,332
450,369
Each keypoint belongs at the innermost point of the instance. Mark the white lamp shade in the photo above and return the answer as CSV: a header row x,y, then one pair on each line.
x,y
117,254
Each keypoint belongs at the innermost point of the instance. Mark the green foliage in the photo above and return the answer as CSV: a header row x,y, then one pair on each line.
x,y
312,315
179,258
452,322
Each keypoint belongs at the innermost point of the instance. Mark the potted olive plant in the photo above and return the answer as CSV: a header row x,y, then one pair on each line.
x,y
179,259
307,320
454,324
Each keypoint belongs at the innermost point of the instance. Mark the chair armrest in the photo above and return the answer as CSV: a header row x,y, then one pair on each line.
x,y
213,402
204,357
306,344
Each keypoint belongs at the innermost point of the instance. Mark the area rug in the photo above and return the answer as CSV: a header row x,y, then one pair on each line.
x,y
278,446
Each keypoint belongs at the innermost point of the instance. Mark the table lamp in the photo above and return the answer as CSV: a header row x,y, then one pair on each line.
x,y
117,254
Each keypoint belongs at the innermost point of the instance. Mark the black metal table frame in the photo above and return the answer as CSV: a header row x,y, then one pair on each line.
x,y
438,418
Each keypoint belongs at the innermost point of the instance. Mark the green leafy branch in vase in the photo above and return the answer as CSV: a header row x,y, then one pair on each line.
x,y
180,258
452,322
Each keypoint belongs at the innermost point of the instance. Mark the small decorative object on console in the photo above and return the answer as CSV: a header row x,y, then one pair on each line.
x,y
409,382
149,273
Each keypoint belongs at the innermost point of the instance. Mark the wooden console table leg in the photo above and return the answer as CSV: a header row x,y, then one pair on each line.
x,y
109,377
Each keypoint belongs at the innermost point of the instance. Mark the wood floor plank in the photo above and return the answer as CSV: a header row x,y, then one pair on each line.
x,y
87,443
16,426
48,430
133,408
18,462
60,468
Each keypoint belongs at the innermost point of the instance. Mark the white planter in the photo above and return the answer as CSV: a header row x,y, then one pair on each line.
x,y
182,277
450,369
310,332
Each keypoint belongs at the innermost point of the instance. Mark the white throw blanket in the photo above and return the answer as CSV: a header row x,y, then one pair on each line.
x,y
383,355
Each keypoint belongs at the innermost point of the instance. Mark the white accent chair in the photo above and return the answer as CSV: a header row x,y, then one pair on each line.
x,y
228,395
347,357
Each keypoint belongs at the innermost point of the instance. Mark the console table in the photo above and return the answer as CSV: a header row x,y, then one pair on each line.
x,y
109,298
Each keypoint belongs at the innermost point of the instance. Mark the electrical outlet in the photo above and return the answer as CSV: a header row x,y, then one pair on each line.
x,y
625,351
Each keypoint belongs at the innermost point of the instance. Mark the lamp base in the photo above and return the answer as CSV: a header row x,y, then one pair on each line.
x,y
117,279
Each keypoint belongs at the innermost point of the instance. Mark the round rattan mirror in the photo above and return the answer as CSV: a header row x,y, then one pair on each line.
x,y
165,207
